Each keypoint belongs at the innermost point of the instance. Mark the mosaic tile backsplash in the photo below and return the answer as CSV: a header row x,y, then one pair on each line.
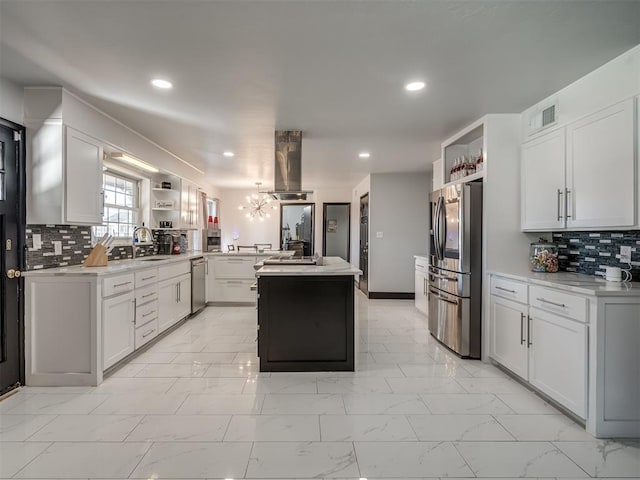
x,y
590,252
76,245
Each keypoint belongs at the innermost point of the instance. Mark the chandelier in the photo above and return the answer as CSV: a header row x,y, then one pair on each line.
x,y
258,205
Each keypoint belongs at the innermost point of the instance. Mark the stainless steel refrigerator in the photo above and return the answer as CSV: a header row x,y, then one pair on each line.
x,y
455,270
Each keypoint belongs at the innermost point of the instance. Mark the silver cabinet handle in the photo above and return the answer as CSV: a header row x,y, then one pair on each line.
x,y
116,285
148,313
561,305
505,289
148,278
148,295
522,315
559,203
177,294
148,333
567,202
529,342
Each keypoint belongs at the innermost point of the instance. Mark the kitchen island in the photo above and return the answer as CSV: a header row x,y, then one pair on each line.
x,y
306,316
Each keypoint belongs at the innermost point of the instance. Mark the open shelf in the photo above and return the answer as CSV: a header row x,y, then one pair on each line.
x,y
155,189
467,179
163,209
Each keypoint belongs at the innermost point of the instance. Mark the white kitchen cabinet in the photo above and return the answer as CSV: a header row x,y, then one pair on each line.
x,y
543,182
508,343
189,205
582,176
558,359
601,180
229,278
118,328
421,285
174,302
64,176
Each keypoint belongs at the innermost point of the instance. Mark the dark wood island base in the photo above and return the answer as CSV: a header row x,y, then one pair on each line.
x,y
306,323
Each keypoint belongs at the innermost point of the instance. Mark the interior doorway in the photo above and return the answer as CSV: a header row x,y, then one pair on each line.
x,y
12,221
364,244
336,234
297,228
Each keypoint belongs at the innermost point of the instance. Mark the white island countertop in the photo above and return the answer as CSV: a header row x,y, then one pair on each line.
x,y
574,282
328,266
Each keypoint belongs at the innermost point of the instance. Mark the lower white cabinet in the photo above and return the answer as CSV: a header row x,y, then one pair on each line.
x,y
421,285
508,335
174,301
118,328
235,291
558,359
229,278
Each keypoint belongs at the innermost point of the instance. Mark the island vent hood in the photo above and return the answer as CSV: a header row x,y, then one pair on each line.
x,y
288,166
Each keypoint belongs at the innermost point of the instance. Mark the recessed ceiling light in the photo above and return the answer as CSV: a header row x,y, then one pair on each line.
x,y
414,86
228,154
160,83
364,155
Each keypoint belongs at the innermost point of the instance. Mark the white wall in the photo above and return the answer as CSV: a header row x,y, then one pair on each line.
x,y
361,189
233,220
337,241
615,81
399,209
11,101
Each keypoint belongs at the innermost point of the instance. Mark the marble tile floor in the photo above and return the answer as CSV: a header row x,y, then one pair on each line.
x,y
196,406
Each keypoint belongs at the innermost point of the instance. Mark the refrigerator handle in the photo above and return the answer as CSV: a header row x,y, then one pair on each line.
x,y
436,230
442,227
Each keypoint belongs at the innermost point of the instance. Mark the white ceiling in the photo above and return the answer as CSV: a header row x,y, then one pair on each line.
x,y
334,69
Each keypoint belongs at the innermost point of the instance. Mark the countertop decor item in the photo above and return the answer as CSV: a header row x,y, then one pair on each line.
x,y
543,257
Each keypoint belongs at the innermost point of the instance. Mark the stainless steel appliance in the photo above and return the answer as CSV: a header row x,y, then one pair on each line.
x,y
165,244
455,270
213,240
198,295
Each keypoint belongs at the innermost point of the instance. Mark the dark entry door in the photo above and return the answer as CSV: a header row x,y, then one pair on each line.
x,y
364,243
11,256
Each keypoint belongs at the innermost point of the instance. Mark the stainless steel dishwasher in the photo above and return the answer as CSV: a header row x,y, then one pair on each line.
x,y
198,291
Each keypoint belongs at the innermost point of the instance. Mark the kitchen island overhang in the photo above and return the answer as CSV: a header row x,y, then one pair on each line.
x,y
307,317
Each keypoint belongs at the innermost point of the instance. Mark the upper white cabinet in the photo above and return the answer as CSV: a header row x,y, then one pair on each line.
x,y
600,169
543,182
64,179
189,205
582,176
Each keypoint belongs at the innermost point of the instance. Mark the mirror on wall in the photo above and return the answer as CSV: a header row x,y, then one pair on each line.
x,y
296,228
336,235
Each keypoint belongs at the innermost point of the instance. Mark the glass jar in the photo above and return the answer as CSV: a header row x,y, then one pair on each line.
x,y
543,257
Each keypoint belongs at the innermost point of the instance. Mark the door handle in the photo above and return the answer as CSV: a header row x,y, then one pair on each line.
x,y
12,273
567,203
529,342
440,297
561,305
522,315
444,277
505,289
559,203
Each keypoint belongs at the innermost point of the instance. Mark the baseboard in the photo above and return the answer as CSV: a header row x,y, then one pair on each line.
x,y
392,295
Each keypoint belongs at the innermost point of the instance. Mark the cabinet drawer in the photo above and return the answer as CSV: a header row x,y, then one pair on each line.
x,y
146,313
511,289
234,291
421,264
116,285
146,332
146,294
146,277
175,270
558,302
234,267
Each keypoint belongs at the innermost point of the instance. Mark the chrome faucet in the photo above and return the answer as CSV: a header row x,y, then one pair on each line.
x,y
141,236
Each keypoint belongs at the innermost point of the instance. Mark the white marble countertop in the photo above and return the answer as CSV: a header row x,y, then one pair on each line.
x,y
330,266
116,266
574,282
424,255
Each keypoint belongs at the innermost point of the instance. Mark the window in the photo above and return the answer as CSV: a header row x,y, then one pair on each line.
x,y
121,202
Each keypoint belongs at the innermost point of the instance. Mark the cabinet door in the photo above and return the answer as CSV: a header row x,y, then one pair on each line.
x,y
601,178
508,344
558,359
183,307
118,329
167,304
421,292
83,179
543,182
210,281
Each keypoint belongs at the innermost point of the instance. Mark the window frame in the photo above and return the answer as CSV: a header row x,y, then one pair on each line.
x,y
136,209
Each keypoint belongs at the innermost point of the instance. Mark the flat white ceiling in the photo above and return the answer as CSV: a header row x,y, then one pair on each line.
x,y
334,69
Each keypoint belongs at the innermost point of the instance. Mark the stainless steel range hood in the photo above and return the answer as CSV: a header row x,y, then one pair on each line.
x,y
288,166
